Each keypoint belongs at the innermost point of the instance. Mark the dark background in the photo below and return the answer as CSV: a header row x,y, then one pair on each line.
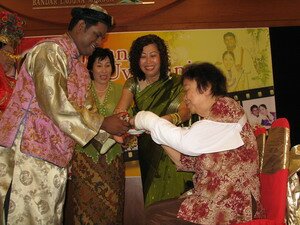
x,y
286,63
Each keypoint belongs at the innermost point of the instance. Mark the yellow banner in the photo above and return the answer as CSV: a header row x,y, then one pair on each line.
x,y
248,66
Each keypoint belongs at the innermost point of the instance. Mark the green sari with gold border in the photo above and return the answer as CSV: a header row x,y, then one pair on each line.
x,y
159,175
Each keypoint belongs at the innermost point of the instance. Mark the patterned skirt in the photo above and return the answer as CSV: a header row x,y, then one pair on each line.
x,y
96,191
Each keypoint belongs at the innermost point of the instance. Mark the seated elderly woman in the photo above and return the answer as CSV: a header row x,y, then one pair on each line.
x,y
220,149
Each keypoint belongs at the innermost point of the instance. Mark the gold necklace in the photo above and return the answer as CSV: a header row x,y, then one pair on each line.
x,y
101,106
148,82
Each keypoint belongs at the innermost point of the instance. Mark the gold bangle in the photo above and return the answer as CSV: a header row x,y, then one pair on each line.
x,y
176,119
173,118
119,110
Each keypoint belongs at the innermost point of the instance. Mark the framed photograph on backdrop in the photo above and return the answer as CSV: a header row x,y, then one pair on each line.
x,y
260,111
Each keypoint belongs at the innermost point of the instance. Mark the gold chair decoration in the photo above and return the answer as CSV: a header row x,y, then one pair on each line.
x,y
293,194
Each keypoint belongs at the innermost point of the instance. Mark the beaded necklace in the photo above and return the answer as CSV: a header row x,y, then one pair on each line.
x,y
101,106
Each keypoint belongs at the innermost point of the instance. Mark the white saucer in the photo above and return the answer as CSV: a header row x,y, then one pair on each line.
x,y
135,132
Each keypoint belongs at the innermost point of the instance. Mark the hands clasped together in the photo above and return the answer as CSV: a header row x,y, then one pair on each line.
x,y
119,125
